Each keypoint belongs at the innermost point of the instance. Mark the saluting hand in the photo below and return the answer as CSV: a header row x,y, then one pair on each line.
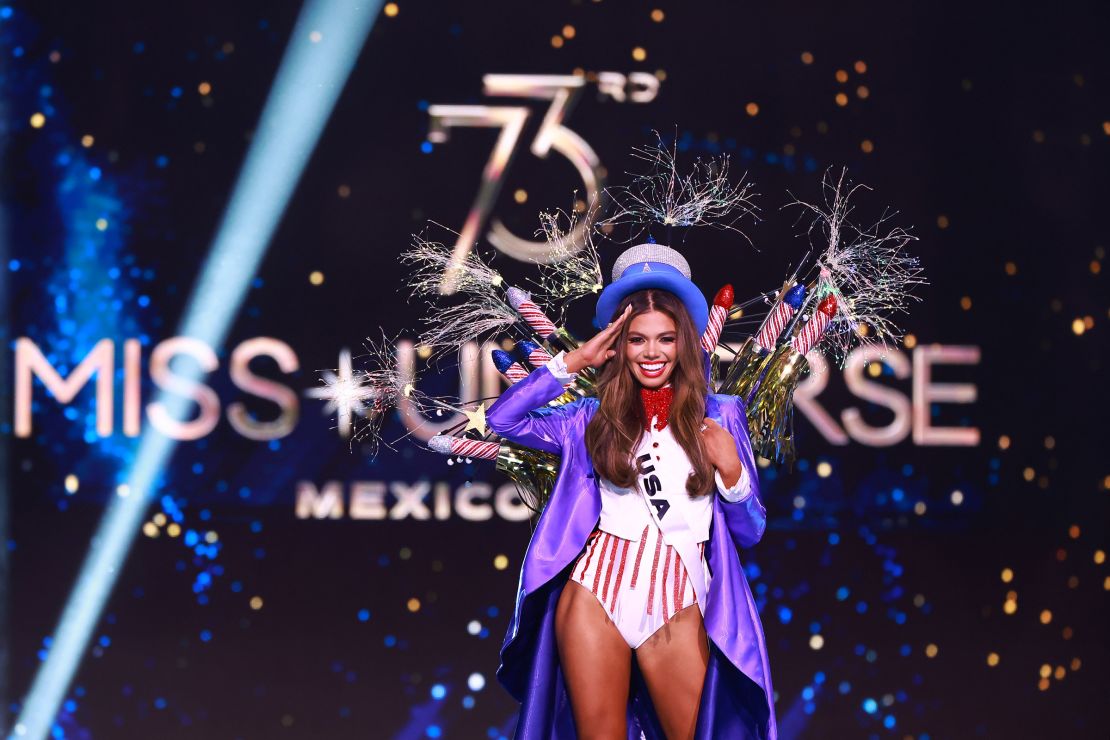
x,y
598,350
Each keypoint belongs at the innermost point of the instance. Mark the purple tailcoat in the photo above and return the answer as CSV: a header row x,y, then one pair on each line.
x,y
737,699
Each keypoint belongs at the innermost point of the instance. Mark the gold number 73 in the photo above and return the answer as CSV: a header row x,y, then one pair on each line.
x,y
562,91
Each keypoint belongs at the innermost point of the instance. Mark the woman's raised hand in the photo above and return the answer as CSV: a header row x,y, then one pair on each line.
x,y
597,351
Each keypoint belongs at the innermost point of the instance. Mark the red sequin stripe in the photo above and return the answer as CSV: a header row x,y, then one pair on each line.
x,y
620,575
678,571
682,589
590,554
663,586
639,554
600,561
609,570
654,568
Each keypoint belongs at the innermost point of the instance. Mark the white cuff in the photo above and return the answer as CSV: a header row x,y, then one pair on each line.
x,y
737,493
558,367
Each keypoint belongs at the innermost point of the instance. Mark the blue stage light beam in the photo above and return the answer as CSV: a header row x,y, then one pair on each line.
x,y
314,69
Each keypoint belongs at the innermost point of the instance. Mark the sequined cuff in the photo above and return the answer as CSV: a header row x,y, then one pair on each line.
x,y
558,367
738,492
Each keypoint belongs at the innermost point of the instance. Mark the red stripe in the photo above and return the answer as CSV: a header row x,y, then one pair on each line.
x,y
639,554
589,555
654,568
678,572
609,570
683,589
663,588
620,574
600,560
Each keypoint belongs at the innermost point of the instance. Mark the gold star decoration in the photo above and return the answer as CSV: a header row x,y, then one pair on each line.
x,y
476,419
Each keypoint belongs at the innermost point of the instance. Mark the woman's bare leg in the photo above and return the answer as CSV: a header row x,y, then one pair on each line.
x,y
596,662
673,661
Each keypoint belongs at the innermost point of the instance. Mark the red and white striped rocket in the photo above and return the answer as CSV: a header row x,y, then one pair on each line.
x,y
814,329
718,312
463,447
524,305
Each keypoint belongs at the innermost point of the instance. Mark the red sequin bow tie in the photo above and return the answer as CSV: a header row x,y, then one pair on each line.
x,y
657,403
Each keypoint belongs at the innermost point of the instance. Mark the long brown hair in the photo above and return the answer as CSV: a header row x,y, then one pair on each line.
x,y
614,432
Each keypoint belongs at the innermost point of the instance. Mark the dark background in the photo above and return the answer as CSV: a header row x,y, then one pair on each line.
x,y
991,131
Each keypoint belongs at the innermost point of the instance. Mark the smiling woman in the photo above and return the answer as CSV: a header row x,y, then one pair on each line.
x,y
660,345
619,561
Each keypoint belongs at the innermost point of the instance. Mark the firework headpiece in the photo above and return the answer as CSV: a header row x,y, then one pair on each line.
x,y
652,266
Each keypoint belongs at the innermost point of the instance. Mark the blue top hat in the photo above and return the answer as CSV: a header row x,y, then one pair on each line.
x,y
652,266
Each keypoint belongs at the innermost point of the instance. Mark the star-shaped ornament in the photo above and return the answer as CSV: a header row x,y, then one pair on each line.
x,y
476,420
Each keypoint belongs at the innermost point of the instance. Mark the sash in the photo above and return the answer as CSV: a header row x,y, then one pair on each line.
x,y
678,532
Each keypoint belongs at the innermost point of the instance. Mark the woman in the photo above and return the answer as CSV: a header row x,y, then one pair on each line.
x,y
635,553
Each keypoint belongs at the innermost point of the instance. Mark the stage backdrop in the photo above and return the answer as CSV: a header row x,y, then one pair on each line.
x,y
935,560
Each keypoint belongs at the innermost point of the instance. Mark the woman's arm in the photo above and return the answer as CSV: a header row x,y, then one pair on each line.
x,y
520,414
744,512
